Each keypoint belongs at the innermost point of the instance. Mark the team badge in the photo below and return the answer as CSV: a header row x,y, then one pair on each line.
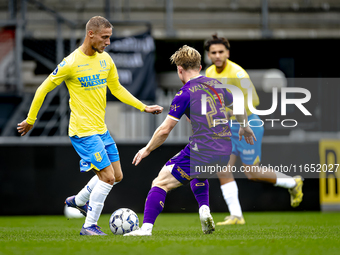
x,y
98,157
103,63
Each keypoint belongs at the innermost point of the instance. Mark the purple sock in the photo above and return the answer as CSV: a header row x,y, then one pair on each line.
x,y
201,191
154,204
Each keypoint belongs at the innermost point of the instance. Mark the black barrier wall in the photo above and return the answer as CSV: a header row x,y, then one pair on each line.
x,y
37,179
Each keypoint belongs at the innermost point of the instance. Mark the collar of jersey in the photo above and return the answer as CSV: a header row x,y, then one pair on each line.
x,y
82,53
193,78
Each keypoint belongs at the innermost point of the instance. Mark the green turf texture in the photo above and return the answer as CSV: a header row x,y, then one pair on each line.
x,y
264,233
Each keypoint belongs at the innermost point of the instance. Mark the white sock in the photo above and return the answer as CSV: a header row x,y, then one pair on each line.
x,y
230,194
96,204
115,183
84,195
147,227
284,181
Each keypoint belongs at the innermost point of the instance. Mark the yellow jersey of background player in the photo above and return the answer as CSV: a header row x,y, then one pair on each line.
x,y
231,73
237,76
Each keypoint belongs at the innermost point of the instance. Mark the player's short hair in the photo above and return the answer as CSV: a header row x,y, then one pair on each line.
x,y
217,40
97,23
186,57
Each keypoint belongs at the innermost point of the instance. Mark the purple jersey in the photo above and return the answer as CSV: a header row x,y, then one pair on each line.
x,y
211,132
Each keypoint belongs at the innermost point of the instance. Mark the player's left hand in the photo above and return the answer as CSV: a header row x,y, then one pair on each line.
x,y
24,127
154,109
248,134
142,153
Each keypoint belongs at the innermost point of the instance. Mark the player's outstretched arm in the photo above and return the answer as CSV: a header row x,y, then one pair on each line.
x,y
248,134
24,127
27,124
154,109
158,138
127,98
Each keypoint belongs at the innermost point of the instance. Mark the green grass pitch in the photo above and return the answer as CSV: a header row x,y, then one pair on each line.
x,y
264,233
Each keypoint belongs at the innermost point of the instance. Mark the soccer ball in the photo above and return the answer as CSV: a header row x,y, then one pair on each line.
x,y
123,221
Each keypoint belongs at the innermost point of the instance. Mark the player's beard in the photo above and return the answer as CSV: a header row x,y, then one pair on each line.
x,y
220,64
95,49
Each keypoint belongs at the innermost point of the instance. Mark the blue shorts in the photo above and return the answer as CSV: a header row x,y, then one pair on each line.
x,y
187,165
96,151
249,154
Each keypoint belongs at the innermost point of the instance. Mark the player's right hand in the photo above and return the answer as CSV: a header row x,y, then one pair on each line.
x,y
154,109
142,153
248,134
24,127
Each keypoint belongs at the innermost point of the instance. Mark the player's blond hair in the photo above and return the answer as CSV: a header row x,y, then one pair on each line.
x,y
186,57
97,23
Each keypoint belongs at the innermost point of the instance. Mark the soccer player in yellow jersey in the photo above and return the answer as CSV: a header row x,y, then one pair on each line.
x,y
231,73
87,72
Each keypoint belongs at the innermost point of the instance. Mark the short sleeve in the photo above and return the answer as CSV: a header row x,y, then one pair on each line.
x,y
179,104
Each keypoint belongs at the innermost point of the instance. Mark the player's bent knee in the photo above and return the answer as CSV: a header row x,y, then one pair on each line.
x,y
111,181
157,183
162,187
119,177
108,180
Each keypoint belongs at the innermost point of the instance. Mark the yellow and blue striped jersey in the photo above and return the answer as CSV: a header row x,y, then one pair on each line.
x,y
236,76
87,79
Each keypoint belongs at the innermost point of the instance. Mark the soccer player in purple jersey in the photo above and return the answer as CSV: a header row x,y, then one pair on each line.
x,y
209,145
218,49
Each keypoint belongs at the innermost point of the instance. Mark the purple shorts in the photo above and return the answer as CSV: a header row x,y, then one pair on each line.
x,y
187,165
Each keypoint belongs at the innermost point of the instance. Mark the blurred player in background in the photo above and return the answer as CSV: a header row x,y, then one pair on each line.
x,y
87,72
218,52
209,144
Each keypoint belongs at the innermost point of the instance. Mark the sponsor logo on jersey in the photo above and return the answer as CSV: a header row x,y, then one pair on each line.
x,y
62,63
98,157
83,65
92,80
179,93
55,71
225,133
248,152
103,63
161,203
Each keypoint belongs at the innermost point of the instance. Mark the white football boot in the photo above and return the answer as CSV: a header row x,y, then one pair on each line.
x,y
140,232
208,225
